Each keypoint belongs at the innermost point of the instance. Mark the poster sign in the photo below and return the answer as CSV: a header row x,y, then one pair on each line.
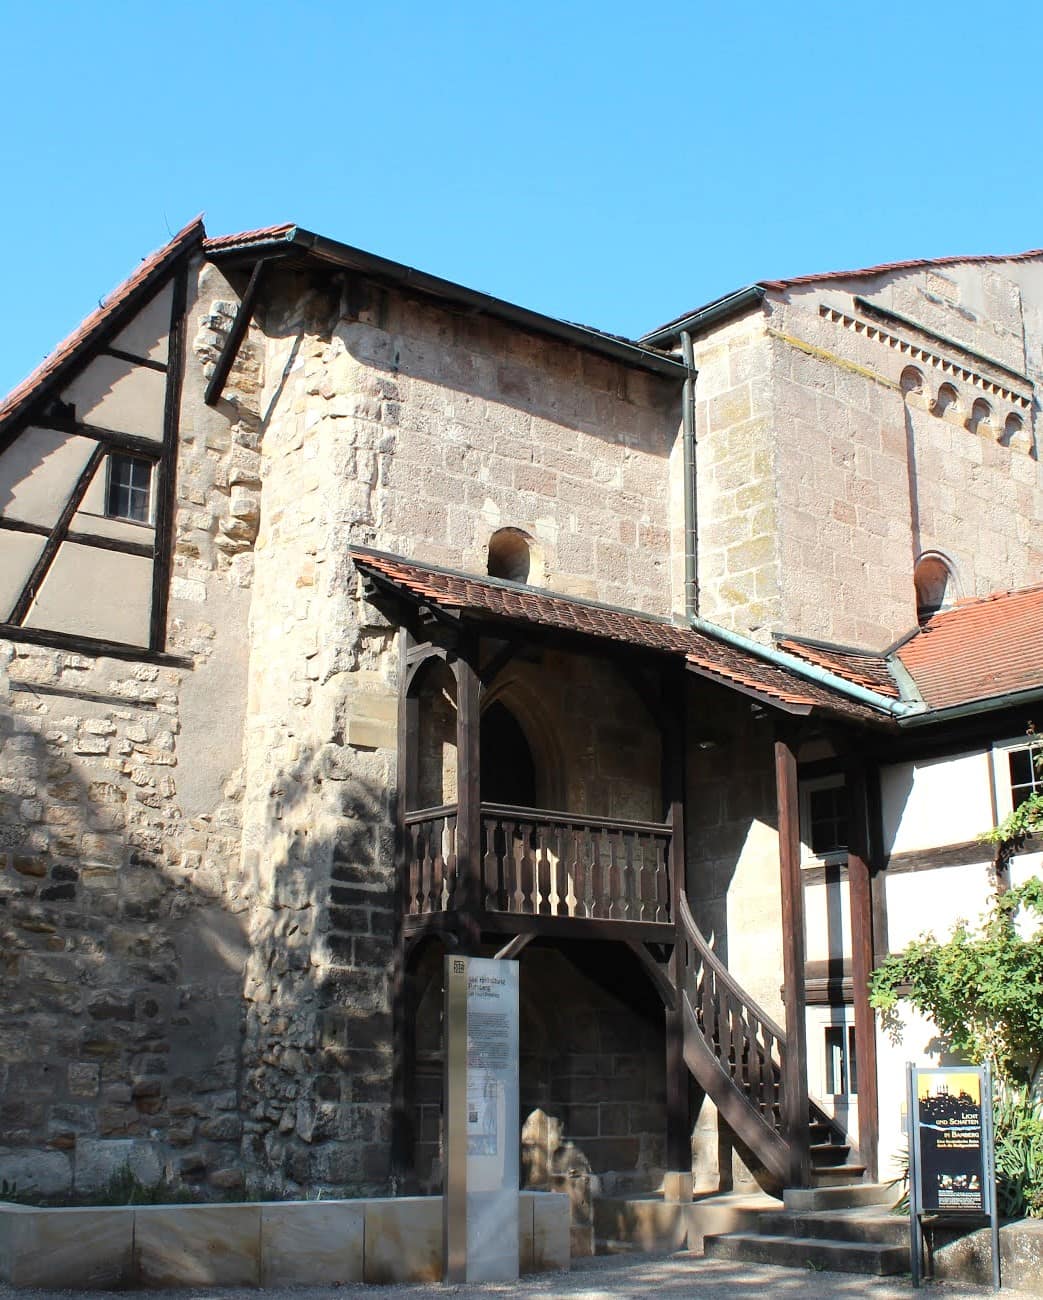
x,y
951,1161
482,1121
951,1140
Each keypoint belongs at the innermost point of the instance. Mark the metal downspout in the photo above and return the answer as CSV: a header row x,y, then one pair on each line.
x,y
691,522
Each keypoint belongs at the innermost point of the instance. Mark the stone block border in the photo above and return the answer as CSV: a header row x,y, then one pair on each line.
x,y
290,1243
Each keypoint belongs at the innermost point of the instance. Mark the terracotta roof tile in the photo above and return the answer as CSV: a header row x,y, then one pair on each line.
x,y
867,272
979,649
861,667
259,236
66,352
489,597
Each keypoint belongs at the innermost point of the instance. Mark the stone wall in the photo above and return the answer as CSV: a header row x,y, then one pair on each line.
x,y
836,445
592,1060
122,903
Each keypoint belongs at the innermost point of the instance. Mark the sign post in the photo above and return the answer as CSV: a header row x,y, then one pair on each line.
x,y
951,1153
480,1201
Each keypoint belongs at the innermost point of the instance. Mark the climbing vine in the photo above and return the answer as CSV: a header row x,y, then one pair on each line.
x,y
983,989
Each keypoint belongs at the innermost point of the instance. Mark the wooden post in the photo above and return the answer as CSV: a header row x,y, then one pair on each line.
x,y
403,1005
795,1073
678,1110
859,877
468,795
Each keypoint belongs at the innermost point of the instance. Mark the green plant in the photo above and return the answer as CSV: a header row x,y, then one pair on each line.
x,y
1017,826
1019,1152
982,987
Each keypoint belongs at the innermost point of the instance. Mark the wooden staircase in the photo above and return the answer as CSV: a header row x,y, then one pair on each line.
x,y
737,1055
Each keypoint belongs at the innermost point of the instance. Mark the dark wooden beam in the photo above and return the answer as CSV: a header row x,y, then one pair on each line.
x,y
57,536
144,549
147,362
166,470
403,994
113,439
226,359
92,645
795,1071
661,979
859,874
468,793
674,779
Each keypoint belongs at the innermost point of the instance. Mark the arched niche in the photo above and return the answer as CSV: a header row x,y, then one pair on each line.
x,y
514,715
434,690
937,586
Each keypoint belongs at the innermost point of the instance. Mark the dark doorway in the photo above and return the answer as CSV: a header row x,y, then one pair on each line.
x,y
508,771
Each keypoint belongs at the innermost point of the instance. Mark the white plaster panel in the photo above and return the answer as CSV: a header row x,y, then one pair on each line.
x,y
118,395
38,473
147,334
827,920
1025,866
936,801
18,553
91,592
931,902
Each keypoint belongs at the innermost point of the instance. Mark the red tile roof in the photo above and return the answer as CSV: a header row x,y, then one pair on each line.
x,y
979,649
867,272
861,667
491,597
63,356
259,236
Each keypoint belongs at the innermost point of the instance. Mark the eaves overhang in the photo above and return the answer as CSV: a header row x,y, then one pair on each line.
x,y
295,243
714,313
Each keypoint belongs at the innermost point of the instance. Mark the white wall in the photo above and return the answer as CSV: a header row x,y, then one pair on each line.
x,y
936,801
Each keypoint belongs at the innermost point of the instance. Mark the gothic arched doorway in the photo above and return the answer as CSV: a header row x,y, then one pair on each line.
x,y
508,769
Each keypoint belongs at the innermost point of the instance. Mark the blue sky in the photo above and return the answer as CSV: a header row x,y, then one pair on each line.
x,y
610,163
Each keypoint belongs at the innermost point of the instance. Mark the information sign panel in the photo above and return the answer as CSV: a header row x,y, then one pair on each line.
x,y
482,1121
951,1140
951,1159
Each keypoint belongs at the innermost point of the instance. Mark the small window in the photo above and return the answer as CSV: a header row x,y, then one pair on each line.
x,y
129,492
841,1067
823,817
1018,772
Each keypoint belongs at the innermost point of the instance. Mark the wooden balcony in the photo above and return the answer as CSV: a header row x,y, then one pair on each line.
x,y
547,872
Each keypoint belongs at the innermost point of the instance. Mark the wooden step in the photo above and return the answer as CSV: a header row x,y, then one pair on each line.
x,y
809,1252
829,1153
836,1175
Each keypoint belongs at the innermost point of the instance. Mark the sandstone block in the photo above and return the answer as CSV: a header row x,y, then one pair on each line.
x,y
404,1239
79,1249
197,1245
318,1243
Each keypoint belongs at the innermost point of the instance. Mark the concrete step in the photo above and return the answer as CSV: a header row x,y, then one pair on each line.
x,y
808,1252
865,1224
799,1199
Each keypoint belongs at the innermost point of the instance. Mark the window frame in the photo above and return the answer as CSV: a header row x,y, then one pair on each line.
x,y
1002,783
807,786
110,461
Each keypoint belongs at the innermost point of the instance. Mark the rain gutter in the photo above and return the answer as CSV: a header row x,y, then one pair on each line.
x,y
732,304
691,507
898,709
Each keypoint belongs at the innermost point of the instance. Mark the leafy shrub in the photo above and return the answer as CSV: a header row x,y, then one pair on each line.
x,y
1019,1152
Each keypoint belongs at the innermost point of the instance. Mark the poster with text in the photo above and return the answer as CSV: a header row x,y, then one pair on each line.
x,y
951,1140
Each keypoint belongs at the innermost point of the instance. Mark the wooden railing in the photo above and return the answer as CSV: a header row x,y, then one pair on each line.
x,y
735,1039
539,863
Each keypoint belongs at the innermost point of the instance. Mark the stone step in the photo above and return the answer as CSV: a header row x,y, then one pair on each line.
x,y
798,1199
808,1252
866,1225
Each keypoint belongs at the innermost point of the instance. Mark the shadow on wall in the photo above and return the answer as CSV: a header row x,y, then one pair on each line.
x,y
162,1009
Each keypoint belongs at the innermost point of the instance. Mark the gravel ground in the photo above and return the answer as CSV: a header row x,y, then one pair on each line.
x,y
603,1278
